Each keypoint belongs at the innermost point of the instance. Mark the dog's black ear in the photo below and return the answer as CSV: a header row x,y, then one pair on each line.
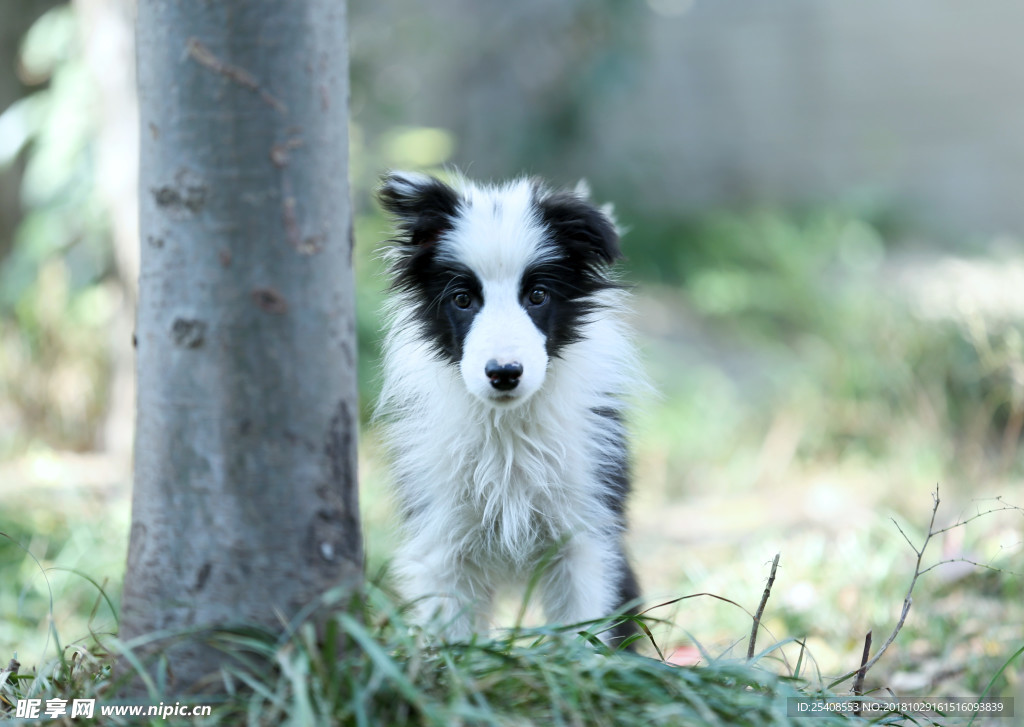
x,y
584,230
423,206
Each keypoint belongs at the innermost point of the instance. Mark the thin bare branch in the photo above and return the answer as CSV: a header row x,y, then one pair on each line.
x,y
858,683
760,608
912,546
959,523
907,600
974,563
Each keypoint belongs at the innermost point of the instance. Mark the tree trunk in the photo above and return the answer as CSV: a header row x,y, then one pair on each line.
x,y
245,503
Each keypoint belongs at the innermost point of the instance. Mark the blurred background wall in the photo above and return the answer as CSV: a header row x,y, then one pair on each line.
x,y
678,105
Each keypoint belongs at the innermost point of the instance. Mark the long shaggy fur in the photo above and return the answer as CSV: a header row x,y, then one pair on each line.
x,y
506,368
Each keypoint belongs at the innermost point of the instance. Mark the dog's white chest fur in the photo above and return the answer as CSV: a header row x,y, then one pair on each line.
x,y
506,486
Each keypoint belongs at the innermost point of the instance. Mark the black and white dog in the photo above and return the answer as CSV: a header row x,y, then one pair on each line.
x,y
506,367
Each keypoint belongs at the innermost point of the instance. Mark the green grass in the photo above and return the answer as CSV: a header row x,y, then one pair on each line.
x,y
370,668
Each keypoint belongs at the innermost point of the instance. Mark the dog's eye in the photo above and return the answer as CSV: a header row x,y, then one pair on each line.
x,y
537,296
462,300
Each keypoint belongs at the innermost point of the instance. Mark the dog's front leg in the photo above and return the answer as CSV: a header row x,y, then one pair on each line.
x,y
584,581
449,600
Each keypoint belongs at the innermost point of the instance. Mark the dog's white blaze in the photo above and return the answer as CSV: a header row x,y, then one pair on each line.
x,y
502,331
497,234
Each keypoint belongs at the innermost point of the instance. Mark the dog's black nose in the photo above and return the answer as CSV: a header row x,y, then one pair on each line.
x,y
504,377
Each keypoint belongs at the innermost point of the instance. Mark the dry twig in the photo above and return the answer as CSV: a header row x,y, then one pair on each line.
x,y
760,608
858,683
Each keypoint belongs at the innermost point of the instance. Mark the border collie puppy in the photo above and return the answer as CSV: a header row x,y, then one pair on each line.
x,y
506,365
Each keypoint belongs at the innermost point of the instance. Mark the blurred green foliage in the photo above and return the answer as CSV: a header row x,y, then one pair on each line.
x,y
400,148
54,305
807,312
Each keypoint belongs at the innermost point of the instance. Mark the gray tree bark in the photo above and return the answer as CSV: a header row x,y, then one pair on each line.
x,y
245,504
